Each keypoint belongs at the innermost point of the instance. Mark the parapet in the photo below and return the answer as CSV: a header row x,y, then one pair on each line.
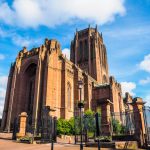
x,y
88,32
52,44
138,100
128,98
49,45
114,82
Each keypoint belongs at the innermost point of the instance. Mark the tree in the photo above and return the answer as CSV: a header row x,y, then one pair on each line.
x,y
118,128
72,126
89,122
65,127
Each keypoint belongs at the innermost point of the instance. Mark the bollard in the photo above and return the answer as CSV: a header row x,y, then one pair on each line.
x,y
97,128
52,145
98,145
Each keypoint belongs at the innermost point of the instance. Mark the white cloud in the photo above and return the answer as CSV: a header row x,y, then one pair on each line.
x,y
5,34
2,33
130,32
18,39
147,99
3,83
1,112
32,13
2,93
1,107
145,81
66,52
6,13
145,64
128,87
2,57
24,41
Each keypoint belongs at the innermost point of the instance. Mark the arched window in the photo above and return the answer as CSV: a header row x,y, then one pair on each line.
x,y
69,95
28,84
100,54
86,52
80,52
104,79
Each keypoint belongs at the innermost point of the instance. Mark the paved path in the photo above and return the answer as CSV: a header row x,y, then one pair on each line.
x,y
13,145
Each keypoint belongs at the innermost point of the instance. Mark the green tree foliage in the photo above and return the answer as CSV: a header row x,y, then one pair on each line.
x,y
77,125
72,126
89,112
89,122
118,128
65,127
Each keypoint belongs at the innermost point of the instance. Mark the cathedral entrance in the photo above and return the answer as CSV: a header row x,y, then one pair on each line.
x,y
29,86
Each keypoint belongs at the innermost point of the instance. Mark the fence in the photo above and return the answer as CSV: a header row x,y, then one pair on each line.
x,y
127,124
123,123
147,124
118,125
46,127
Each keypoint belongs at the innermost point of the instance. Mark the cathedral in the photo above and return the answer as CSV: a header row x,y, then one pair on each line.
x,y
43,76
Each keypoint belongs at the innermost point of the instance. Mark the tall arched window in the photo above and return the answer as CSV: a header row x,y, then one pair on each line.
x,y
104,79
86,52
80,52
69,95
29,86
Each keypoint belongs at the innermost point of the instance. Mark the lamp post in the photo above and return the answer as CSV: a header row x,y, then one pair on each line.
x,y
80,106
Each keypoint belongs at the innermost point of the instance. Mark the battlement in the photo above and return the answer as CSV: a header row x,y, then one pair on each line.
x,y
138,100
52,44
49,45
114,82
88,32
24,53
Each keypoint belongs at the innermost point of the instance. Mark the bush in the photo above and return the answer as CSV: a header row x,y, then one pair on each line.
x,y
89,112
89,122
26,139
118,128
72,126
104,138
65,127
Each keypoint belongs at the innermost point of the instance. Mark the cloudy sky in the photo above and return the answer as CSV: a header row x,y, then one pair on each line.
x,y
125,25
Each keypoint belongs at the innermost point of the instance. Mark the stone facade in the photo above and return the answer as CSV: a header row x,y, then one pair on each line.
x,y
89,53
43,76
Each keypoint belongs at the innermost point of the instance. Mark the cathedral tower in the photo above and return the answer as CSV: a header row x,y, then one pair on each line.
x,y
89,53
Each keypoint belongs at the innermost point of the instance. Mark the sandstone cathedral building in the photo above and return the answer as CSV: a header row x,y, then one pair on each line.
x,y
43,76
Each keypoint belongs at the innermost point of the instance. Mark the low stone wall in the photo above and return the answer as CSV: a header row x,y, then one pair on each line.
x,y
6,136
126,145
131,145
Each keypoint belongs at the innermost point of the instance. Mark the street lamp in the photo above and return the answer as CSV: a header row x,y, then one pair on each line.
x,y
80,106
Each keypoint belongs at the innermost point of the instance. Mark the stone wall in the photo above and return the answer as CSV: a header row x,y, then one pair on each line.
x,y
89,52
43,76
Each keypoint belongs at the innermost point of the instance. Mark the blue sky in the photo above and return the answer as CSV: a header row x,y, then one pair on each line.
x,y
125,25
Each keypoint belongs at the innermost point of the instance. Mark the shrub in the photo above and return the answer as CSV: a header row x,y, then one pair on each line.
x,y
72,126
118,128
65,127
89,122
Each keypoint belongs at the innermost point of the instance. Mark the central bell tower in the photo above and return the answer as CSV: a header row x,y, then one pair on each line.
x,y
89,53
